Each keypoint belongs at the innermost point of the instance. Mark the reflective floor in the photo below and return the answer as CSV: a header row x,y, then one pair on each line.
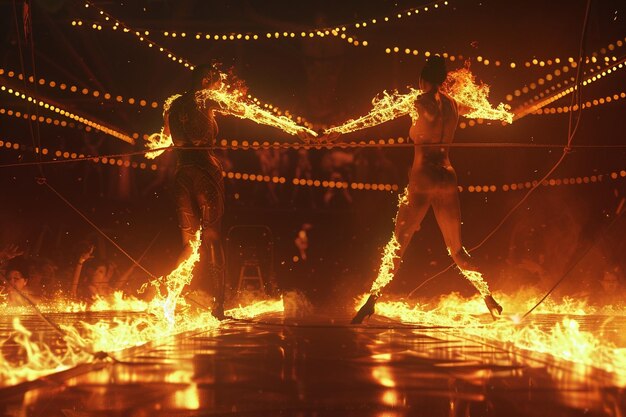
x,y
320,367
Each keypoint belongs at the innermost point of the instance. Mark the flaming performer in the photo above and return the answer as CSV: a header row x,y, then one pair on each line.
x,y
189,122
432,179
227,100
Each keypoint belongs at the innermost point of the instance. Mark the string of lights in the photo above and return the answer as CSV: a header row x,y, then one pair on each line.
x,y
68,114
352,40
42,119
522,112
336,31
480,59
66,155
571,64
564,82
399,142
412,12
52,121
142,37
475,122
80,90
123,161
590,103
508,63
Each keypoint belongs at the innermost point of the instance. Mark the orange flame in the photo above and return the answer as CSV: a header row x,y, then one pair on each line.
x,y
158,141
390,254
39,359
460,85
386,107
476,278
164,320
164,306
234,103
161,140
563,340
256,309
104,336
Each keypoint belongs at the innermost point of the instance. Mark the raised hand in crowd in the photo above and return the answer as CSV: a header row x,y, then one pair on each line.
x,y
9,252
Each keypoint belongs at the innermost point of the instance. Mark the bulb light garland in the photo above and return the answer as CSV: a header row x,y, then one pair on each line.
x,y
588,104
524,111
556,83
235,175
68,114
571,63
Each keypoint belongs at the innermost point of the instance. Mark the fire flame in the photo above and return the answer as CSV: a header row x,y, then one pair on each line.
x,y
256,309
164,305
235,103
390,254
460,85
158,140
562,340
476,278
232,101
161,319
39,358
161,140
386,107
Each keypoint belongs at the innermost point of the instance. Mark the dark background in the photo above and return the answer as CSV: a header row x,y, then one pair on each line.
x,y
326,80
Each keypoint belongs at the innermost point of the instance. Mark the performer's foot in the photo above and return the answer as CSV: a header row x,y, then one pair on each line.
x,y
494,308
366,310
218,312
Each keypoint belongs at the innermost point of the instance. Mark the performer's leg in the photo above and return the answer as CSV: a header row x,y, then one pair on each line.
x,y
448,214
408,221
188,219
213,253
447,211
210,199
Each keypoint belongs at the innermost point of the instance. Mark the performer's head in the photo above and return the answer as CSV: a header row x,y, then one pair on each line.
x,y
17,274
204,76
434,73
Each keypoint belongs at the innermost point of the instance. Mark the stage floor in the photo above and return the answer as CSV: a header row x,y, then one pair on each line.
x,y
320,366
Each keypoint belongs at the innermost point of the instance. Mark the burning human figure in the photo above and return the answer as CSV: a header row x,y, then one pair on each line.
x,y
432,182
189,122
199,186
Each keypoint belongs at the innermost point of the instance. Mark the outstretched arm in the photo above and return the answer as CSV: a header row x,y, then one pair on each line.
x,y
386,107
231,103
473,110
473,98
